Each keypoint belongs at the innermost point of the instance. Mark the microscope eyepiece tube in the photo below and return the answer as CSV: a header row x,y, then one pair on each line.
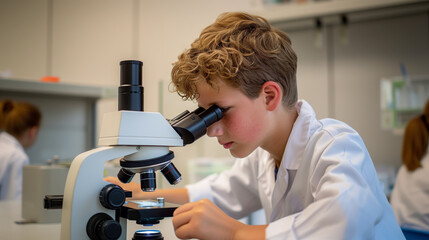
x,y
211,115
194,125
130,92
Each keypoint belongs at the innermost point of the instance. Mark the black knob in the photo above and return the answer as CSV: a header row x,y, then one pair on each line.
x,y
102,227
112,196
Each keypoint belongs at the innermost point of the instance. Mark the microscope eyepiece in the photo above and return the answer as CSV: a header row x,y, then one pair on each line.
x,y
130,92
191,126
211,115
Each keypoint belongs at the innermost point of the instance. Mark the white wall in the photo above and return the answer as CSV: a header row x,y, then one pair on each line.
x,y
23,38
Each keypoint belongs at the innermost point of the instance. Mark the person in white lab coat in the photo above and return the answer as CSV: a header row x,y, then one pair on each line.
x,y
314,178
410,195
19,125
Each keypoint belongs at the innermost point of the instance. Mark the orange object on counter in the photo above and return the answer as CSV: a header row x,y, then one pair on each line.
x,y
52,79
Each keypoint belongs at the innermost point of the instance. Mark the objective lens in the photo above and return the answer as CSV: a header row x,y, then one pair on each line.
x,y
148,235
148,181
125,175
172,174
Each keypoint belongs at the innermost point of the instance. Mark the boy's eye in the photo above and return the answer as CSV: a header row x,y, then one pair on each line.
x,y
224,109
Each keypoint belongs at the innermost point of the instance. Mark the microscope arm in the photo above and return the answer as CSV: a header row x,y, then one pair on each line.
x,y
85,178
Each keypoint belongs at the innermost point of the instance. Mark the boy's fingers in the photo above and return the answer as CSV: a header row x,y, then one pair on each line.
x,y
184,208
111,180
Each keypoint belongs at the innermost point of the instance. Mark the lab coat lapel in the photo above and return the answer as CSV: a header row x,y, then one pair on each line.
x,y
267,183
279,192
292,158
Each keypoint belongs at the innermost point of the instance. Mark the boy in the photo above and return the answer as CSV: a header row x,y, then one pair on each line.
x,y
314,179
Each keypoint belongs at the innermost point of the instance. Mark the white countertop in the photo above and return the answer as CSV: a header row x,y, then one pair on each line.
x,y
10,211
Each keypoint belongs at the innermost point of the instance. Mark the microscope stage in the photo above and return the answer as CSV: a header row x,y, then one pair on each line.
x,y
146,209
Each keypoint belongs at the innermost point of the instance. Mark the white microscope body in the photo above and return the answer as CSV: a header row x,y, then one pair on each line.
x,y
95,209
140,135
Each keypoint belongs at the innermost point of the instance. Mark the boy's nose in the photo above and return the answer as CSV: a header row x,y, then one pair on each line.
x,y
215,130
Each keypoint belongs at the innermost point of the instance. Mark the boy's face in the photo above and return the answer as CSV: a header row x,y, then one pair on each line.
x,y
243,126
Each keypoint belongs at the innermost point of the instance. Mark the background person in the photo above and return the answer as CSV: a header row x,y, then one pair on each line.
x,y
19,125
410,195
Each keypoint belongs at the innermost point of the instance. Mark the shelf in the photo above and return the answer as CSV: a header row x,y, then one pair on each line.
x,y
413,110
285,12
401,100
62,89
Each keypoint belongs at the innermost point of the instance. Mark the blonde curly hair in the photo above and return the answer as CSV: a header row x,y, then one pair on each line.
x,y
242,50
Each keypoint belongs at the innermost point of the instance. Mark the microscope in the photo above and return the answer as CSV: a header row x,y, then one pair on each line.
x,y
95,209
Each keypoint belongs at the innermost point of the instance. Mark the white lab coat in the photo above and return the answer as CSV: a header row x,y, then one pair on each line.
x,y
12,159
326,187
410,196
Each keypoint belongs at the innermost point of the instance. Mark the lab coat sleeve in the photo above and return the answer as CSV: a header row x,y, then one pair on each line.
x,y
344,205
234,191
14,189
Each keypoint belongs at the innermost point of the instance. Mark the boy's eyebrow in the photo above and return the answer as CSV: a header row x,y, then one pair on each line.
x,y
209,105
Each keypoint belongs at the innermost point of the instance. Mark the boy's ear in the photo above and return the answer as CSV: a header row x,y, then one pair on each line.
x,y
272,94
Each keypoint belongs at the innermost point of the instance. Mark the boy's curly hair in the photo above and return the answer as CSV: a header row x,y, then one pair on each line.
x,y
244,51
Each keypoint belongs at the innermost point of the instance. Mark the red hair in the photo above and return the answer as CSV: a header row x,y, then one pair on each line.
x,y
17,117
415,142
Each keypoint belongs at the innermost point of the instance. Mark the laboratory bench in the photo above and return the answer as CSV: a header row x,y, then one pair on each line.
x,y
10,212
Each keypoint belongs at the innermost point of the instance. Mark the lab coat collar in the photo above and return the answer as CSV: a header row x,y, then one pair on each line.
x,y
6,137
301,131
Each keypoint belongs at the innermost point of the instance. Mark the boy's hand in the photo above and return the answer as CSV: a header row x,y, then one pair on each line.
x,y
177,196
132,186
204,220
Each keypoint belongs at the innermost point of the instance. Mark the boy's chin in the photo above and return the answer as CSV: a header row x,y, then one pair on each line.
x,y
239,154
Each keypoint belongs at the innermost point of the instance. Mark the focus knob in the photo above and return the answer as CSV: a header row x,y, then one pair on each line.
x,y
112,196
102,227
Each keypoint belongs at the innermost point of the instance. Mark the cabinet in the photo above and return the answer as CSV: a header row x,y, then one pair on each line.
x,y
81,42
402,99
69,115
289,12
